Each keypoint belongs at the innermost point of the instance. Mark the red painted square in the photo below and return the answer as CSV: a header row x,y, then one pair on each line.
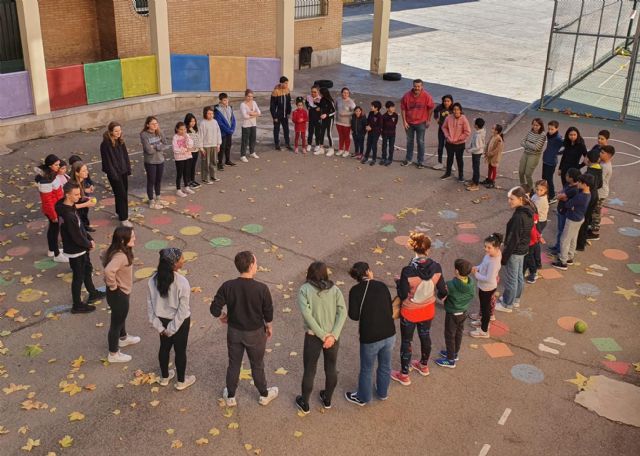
x,y
66,87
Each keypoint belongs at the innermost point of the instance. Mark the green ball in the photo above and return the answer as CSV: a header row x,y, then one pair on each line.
x,y
580,326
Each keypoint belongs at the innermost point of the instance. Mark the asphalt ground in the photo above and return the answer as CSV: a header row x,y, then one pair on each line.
x,y
338,211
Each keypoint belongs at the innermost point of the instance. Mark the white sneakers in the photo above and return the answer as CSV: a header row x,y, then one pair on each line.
x,y
318,151
228,401
60,258
129,340
309,148
330,152
118,358
126,223
254,155
244,159
188,381
165,381
502,308
189,190
438,166
180,193
479,334
272,393
50,254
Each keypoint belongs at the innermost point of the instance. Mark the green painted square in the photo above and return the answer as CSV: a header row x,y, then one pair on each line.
x,y
634,267
103,81
606,344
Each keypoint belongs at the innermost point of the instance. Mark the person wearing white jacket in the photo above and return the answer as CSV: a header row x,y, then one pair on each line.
x,y
210,138
476,148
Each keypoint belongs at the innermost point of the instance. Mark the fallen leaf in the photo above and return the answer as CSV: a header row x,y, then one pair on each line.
x,y
233,425
202,441
99,325
214,431
76,416
228,412
11,313
78,362
31,351
23,430
170,431
90,387
36,335
3,430
281,371
30,404
248,446
12,388
176,444
297,434
116,412
31,444
71,388
66,441
154,403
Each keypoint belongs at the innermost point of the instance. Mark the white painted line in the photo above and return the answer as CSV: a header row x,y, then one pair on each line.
x,y
614,74
485,450
505,415
544,348
553,340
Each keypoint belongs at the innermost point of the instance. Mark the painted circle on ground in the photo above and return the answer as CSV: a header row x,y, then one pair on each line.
x,y
447,214
629,231
468,238
29,295
222,218
144,273
37,225
108,202
191,230
45,263
401,240
527,373
160,220
498,328
586,289
4,282
193,208
220,242
616,254
156,244
190,256
18,251
252,228
567,323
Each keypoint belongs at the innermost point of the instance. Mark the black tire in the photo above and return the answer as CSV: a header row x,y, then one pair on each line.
x,y
392,76
326,83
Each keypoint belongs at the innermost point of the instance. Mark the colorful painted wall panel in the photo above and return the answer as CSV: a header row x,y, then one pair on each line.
x,y
15,95
262,73
228,74
190,73
103,81
66,87
139,76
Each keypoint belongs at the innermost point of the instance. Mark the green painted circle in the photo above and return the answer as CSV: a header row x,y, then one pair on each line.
x,y
46,263
253,228
5,282
156,244
220,242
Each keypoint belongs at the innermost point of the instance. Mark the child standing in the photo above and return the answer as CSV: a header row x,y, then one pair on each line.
x,y
50,192
594,169
327,114
227,123
389,123
461,290
541,202
344,110
574,150
555,142
210,138
182,145
374,128
154,144
170,314
79,173
606,155
493,154
456,131
358,130
192,130
487,273
440,115
476,147
568,191
63,177
249,112
300,118
532,145
603,140
315,123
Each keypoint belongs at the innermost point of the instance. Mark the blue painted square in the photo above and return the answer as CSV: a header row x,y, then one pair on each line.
x,y
190,73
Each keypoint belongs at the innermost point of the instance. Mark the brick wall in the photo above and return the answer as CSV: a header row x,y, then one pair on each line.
x,y
132,30
321,33
106,30
69,32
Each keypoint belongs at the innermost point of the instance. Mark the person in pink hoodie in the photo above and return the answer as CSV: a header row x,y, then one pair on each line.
x,y
456,131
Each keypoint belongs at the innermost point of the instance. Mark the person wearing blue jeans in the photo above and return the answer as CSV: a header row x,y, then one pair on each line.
x,y
568,192
415,131
416,108
513,281
370,305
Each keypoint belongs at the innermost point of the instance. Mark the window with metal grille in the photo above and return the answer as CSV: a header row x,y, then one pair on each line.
x,y
311,8
141,7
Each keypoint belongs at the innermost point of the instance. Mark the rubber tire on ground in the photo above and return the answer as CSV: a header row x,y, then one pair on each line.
x,y
326,83
392,76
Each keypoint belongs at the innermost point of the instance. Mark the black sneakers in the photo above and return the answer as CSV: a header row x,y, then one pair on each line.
x,y
97,296
82,309
353,398
323,398
559,265
302,405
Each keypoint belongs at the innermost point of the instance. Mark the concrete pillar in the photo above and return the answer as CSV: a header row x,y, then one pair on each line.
x,y
285,33
380,42
159,25
33,53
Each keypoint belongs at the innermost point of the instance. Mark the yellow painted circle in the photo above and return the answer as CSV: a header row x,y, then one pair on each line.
x,y
222,218
191,230
143,273
190,256
29,295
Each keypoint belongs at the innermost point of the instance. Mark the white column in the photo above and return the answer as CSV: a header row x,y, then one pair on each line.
x,y
159,22
380,42
285,33
33,53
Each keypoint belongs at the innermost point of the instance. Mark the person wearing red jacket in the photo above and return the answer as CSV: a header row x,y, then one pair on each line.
x,y
300,118
50,193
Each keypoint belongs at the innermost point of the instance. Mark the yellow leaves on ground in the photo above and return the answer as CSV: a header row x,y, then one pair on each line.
x,y
12,388
170,431
248,446
76,416
71,388
202,441
78,362
142,378
3,350
245,374
3,430
116,412
30,404
31,351
23,430
378,249
297,434
11,313
66,441
233,425
281,371
154,403
228,412
36,336
26,280
214,431
176,444
31,444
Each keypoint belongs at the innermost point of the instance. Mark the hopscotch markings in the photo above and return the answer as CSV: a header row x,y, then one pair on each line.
x,y
505,415
485,450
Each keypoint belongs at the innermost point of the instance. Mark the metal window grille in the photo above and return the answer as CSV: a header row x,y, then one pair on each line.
x,y
305,9
141,7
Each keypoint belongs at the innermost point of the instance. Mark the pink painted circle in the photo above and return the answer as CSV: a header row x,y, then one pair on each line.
x,y
616,254
18,251
468,238
498,328
108,202
101,222
401,240
193,208
37,225
567,323
545,258
161,220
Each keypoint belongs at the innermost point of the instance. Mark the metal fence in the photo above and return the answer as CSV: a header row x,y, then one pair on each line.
x,y
141,7
305,9
585,35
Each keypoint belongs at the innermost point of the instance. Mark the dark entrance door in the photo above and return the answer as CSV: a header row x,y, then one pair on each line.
x,y
10,46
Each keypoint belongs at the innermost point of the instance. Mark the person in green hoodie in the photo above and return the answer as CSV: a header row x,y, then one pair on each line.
x,y
324,313
461,291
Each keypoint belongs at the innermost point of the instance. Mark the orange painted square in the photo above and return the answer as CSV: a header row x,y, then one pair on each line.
x,y
550,274
498,350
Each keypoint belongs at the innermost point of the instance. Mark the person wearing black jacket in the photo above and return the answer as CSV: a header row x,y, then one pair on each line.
x,y
574,150
595,171
370,305
327,117
280,107
76,244
315,123
358,131
516,246
117,167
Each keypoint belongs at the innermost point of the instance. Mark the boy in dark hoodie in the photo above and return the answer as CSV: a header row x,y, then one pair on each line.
x,y
594,169
555,142
568,191
76,244
374,129
389,124
280,107
576,209
461,290
223,113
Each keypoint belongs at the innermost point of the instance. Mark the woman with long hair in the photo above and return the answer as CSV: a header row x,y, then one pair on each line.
x,y
50,192
117,166
118,277
572,154
154,144
324,313
327,116
344,110
79,174
170,314
192,130
533,144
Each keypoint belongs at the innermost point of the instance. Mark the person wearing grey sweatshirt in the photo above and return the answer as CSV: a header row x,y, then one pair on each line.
x,y
476,147
211,139
153,146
